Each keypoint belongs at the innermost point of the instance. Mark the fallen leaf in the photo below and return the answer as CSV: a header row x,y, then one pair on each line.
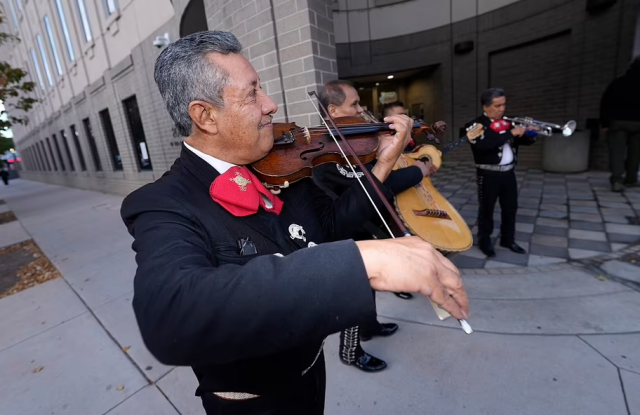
x,y
121,387
38,369
126,349
602,278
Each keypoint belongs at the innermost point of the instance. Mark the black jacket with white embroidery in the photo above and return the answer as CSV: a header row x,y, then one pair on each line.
x,y
488,149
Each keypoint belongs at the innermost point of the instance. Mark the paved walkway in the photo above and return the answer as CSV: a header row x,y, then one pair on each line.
x,y
562,341
560,217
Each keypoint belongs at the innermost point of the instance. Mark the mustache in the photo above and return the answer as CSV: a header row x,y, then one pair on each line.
x,y
262,124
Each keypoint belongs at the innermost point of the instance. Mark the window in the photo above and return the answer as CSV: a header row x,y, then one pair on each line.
x,y
55,143
110,6
35,64
84,19
107,127
32,159
92,144
53,159
45,61
13,13
72,165
65,30
52,43
137,132
76,143
43,156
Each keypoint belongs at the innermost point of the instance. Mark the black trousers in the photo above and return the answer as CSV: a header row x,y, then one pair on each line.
x,y
497,186
624,151
304,397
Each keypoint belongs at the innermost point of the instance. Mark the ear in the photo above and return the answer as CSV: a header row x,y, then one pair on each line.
x,y
332,110
204,116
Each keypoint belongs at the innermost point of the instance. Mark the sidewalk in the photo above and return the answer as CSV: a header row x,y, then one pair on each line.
x,y
564,339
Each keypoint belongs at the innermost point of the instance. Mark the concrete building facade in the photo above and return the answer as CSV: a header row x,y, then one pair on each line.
x,y
101,123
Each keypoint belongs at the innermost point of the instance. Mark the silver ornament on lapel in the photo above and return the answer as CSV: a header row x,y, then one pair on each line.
x,y
297,232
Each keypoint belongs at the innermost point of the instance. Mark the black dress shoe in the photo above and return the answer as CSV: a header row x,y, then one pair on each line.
x,y
386,330
368,363
514,247
404,296
488,251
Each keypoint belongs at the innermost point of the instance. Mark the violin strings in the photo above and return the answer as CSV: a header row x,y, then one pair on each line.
x,y
352,168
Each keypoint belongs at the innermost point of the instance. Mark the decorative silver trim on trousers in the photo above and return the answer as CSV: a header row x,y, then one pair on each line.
x,y
241,396
316,359
495,167
351,342
236,396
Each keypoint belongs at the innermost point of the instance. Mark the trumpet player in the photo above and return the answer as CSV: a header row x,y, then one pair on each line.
x,y
495,155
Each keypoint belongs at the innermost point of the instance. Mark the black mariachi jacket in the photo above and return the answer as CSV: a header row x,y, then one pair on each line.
x,y
245,323
488,150
335,179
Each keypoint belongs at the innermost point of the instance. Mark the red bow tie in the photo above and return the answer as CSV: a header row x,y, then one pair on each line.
x,y
239,192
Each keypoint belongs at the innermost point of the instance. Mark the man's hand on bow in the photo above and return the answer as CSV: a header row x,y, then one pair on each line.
x,y
409,264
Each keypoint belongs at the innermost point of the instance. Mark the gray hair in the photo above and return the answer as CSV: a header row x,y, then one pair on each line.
x,y
332,93
184,74
489,95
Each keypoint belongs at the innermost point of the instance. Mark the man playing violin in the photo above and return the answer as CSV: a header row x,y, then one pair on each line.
x,y
397,107
496,155
243,285
341,99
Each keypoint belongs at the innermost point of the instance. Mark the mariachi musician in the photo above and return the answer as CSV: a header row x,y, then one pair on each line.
x,y
341,99
397,107
243,285
495,156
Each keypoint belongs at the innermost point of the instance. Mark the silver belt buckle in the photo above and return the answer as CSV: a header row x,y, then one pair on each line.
x,y
495,167
236,396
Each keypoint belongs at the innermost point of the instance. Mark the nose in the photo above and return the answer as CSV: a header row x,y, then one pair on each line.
x,y
359,109
269,106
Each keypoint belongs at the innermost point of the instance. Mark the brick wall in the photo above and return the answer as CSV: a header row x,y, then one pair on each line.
x,y
553,58
301,58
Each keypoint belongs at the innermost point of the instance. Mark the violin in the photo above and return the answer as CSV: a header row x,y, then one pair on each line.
x,y
297,150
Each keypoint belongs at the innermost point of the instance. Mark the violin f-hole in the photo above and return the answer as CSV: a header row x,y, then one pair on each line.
x,y
303,155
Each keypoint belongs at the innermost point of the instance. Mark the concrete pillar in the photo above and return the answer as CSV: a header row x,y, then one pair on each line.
x,y
289,42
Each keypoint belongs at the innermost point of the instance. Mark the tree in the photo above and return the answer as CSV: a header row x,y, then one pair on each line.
x,y
14,92
6,144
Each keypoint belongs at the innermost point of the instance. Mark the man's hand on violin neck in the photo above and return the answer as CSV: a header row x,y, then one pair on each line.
x,y
409,264
391,146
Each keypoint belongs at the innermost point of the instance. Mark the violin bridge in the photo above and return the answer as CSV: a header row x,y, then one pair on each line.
x,y
432,213
307,135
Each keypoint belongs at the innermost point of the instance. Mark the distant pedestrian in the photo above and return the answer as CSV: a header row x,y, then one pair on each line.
x,y
5,175
620,119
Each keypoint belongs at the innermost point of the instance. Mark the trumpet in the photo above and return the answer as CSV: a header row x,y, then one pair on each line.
x,y
544,128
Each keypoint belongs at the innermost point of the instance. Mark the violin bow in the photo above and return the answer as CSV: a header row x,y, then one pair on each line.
x,y
366,172
439,310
